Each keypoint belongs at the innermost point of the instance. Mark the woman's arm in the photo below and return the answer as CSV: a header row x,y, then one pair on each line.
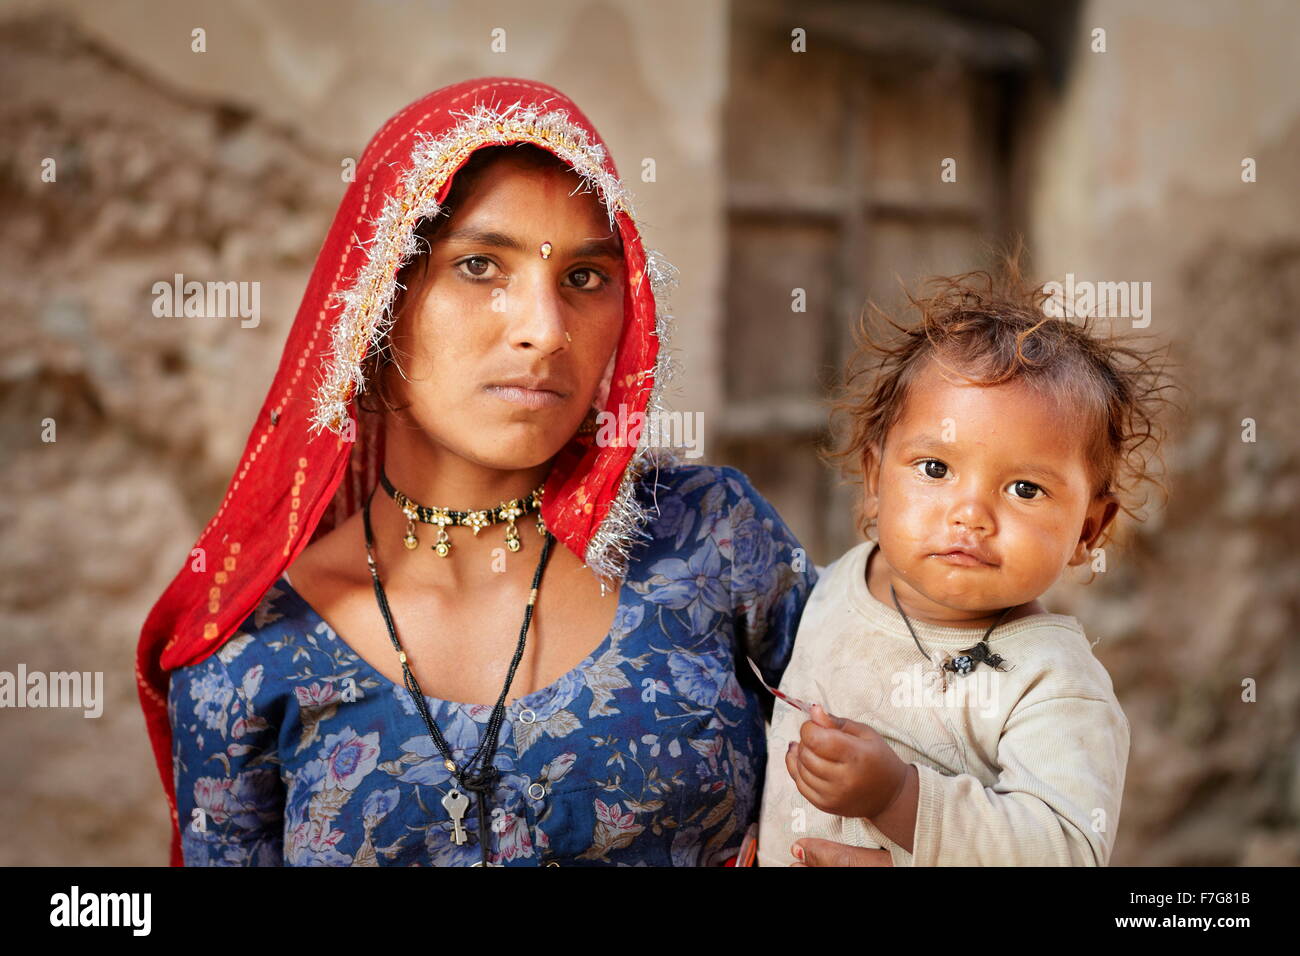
x,y
229,796
771,579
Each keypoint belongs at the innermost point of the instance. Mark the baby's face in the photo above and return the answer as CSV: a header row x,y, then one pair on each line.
x,y
994,471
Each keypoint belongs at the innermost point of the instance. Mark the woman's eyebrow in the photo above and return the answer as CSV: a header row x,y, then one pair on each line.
x,y
485,237
610,247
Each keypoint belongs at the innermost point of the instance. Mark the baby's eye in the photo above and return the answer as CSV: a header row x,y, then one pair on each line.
x,y
933,468
1018,487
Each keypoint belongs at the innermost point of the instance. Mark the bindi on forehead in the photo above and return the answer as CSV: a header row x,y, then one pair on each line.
x,y
607,247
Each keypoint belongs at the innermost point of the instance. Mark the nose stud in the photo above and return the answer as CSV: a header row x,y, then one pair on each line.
x,y
546,250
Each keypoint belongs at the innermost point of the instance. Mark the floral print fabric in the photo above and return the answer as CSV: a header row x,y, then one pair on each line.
x,y
291,750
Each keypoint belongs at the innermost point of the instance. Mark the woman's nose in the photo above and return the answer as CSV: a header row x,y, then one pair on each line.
x,y
537,313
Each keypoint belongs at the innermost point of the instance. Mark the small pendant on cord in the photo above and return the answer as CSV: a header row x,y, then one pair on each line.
x,y
965,662
456,803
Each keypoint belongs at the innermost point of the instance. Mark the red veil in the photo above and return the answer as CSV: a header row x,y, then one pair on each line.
x,y
309,461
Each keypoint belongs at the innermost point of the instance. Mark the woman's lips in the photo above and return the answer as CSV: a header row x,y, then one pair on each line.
x,y
534,398
962,559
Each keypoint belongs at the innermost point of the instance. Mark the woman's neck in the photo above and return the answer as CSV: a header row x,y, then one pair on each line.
x,y
435,477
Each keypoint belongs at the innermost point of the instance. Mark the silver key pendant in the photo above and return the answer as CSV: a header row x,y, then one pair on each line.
x,y
455,803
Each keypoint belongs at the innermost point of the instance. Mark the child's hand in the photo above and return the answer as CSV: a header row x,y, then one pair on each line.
x,y
843,767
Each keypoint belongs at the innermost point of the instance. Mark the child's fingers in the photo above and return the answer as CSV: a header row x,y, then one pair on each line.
x,y
813,789
826,742
824,794
825,719
838,744
853,728
814,765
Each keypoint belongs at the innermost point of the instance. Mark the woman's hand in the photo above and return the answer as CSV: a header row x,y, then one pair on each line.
x,y
845,768
814,852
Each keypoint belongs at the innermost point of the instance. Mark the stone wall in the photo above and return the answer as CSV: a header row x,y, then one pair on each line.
x,y
1140,179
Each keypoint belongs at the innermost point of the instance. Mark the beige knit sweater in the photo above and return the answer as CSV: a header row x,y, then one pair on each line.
x,y
1020,768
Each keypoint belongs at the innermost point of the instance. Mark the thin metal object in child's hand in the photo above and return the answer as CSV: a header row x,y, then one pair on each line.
x,y
792,701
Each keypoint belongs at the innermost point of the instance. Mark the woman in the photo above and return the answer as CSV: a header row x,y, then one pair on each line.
x,y
507,634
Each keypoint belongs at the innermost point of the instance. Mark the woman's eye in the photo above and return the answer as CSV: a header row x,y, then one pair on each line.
x,y
476,266
586,279
1019,487
933,468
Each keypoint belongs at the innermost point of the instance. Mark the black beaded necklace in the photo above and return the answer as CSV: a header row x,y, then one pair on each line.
x,y
482,781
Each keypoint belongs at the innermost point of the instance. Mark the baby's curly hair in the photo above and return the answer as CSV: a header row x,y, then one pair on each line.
x,y
990,327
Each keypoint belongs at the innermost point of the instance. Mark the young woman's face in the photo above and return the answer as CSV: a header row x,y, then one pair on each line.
x,y
503,347
991,470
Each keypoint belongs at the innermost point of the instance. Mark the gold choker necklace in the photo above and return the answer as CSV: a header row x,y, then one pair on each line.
x,y
507,511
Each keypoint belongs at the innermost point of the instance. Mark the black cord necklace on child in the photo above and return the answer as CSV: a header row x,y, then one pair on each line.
x,y
482,781
966,661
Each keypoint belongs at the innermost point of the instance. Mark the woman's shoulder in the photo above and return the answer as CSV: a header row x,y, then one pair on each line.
x,y
667,488
683,501
710,520
278,621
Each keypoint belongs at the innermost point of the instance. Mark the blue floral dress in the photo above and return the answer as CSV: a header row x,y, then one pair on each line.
x,y
290,750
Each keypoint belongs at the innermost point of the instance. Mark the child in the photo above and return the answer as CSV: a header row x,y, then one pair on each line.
x,y
975,727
